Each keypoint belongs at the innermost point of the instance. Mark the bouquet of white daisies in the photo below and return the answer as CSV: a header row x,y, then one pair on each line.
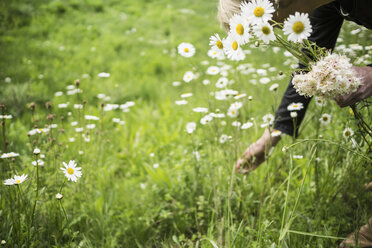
x,y
331,76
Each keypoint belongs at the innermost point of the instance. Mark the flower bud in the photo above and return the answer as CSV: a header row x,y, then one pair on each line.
x,y
59,196
36,151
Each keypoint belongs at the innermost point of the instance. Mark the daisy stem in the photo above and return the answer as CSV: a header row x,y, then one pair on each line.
x,y
65,214
37,193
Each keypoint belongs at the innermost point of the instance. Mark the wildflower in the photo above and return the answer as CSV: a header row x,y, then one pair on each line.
x,y
264,31
91,126
185,95
239,96
176,83
206,82
217,46
232,112
213,70
206,119
39,162
236,124
236,105
298,156
223,138
325,119
239,29
79,129
274,87
58,93
104,75
186,49
320,101
36,151
8,80
293,114
264,80
348,132
232,49
297,27
276,133
246,125
295,106
181,102
257,11
222,82
9,155
155,166
63,105
59,196
188,76
200,110
91,117
15,180
71,171
190,127
269,119
6,117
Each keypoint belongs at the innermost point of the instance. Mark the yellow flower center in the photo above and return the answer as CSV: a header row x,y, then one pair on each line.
x,y
298,27
266,30
70,171
258,12
347,133
351,112
239,29
18,181
235,45
219,44
295,105
186,50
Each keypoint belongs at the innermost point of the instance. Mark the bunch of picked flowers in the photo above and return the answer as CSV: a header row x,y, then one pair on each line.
x,y
329,77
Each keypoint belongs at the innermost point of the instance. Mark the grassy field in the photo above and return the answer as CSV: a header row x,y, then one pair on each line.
x,y
145,181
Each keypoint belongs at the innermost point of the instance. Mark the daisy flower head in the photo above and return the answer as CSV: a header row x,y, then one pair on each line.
x,y
297,27
232,112
19,179
348,132
264,31
190,127
295,106
71,171
232,49
216,43
216,54
269,119
276,133
213,70
186,49
320,101
325,119
188,76
239,29
257,11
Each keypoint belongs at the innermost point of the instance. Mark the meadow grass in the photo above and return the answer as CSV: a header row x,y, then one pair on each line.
x,y
146,182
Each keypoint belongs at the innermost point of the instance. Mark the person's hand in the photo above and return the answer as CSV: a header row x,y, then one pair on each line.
x,y
363,92
257,152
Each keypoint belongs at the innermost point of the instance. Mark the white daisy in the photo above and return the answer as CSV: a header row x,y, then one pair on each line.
x,y
239,29
216,55
276,133
246,125
186,49
222,82
293,114
295,106
188,76
264,31
190,127
268,119
186,95
232,112
325,119
320,101
232,49
274,87
242,95
223,138
200,110
213,70
206,119
257,11
39,162
216,44
236,124
9,155
181,102
19,179
71,171
297,27
236,105
348,132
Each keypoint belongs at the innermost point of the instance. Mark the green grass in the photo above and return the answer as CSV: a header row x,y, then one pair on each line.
x,y
122,200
